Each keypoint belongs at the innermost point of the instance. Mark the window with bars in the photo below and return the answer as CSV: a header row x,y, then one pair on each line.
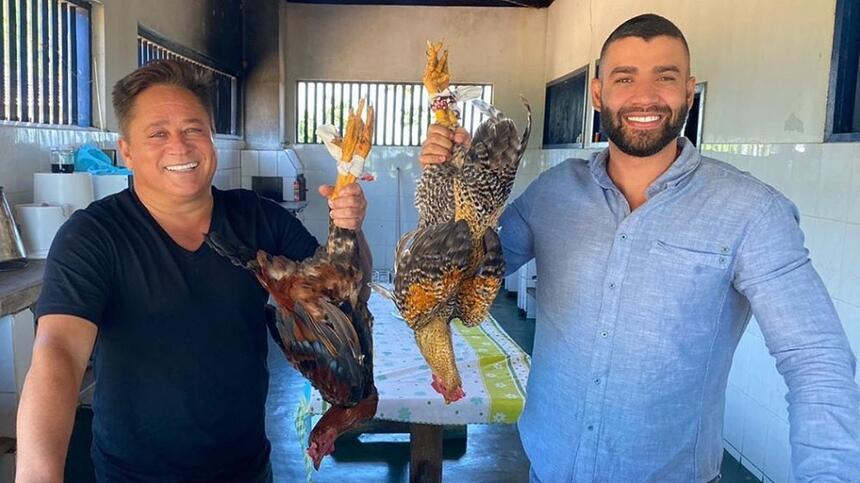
x,y
45,74
225,86
843,105
402,109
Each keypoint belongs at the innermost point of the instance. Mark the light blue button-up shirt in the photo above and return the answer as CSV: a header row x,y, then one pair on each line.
x,y
639,315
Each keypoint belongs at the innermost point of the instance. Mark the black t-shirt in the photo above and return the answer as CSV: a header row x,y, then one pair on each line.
x,y
180,357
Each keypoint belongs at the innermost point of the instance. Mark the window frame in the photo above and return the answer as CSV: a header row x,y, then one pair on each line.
x,y
581,71
843,75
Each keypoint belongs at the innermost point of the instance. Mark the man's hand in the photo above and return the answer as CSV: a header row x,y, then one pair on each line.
x,y
440,140
349,208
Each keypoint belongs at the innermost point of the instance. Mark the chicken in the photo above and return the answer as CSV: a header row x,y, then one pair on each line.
x,y
321,319
451,266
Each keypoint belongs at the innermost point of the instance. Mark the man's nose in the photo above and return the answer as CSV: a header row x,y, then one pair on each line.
x,y
178,144
645,94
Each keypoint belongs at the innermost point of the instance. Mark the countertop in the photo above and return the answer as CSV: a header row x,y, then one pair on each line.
x,y
19,289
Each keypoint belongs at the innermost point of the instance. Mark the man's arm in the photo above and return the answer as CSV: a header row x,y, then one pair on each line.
x,y
803,332
47,411
516,234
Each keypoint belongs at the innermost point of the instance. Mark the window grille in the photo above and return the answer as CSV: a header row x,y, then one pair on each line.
x,y
224,89
45,73
402,112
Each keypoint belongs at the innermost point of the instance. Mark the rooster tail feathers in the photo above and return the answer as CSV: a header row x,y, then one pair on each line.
x,y
487,109
496,140
491,112
524,141
340,328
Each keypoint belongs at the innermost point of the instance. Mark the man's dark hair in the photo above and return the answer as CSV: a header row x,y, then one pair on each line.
x,y
646,27
160,72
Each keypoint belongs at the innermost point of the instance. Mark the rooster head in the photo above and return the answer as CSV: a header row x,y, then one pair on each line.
x,y
434,341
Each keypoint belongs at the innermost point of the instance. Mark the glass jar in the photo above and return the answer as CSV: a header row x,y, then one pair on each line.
x,y
62,161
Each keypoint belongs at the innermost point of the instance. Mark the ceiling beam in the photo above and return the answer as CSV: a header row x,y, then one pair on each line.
x,y
436,3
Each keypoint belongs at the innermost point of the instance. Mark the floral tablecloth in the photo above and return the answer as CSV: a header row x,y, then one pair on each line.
x,y
494,370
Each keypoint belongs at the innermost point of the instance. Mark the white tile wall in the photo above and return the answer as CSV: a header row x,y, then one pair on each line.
x,y
268,163
17,333
850,276
26,150
777,458
285,165
228,159
23,337
7,355
824,182
250,163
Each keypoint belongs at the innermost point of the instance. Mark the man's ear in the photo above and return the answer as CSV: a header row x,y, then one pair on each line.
x,y
596,87
125,152
691,91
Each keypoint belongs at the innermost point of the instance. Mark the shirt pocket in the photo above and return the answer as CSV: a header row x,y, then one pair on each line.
x,y
717,258
685,281
679,288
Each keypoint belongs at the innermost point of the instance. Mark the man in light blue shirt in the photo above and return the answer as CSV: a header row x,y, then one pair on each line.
x,y
651,260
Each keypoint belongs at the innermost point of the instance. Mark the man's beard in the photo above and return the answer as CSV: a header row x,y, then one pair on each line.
x,y
642,143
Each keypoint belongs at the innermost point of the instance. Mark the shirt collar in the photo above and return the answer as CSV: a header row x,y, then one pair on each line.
x,y
684,164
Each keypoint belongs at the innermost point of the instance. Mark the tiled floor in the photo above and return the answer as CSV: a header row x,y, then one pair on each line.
x,y
492,453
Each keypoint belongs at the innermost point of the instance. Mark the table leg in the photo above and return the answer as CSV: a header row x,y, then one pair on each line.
x,y
425,465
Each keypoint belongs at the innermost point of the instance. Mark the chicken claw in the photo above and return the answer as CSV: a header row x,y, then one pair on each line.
x,y
356,141
436,77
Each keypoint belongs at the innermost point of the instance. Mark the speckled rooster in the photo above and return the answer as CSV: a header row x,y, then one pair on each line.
x,y
451,266
323,323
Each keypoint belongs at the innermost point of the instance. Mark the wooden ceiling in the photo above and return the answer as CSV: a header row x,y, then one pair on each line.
x,y
436,3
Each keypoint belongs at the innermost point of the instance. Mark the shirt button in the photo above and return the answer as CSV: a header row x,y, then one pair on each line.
x,y
612,285
597,381
624,236
604,334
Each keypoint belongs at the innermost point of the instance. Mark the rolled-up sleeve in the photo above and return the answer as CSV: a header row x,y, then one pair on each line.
x,y
802,331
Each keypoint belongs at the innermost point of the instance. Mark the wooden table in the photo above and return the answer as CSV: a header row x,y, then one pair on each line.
x,y
19,289
426,443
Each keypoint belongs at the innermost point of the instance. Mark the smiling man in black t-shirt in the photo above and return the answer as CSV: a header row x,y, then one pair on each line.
x,y
177,333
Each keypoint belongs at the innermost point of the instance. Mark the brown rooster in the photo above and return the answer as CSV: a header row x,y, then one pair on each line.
x,y
321,317
451,266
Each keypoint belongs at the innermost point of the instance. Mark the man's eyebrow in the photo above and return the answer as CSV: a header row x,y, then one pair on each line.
x,y
624,69
162,122
159,123
666,68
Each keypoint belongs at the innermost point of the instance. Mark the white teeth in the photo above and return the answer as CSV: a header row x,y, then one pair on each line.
x,y
182,167
643,118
